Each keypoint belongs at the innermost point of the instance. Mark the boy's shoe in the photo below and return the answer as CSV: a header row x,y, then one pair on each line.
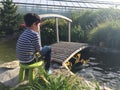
x,y
49,71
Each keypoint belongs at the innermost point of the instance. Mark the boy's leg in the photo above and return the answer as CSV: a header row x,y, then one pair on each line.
x,y
46,53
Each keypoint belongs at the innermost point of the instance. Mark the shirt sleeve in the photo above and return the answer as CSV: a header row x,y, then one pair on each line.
x,y
37,42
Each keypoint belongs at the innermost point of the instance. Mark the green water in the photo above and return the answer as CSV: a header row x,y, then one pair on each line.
x,y
7,51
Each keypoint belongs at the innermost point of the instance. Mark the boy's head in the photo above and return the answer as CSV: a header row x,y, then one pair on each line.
x,y
31,18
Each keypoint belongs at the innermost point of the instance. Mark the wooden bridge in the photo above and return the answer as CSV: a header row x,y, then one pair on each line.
x,y
63,51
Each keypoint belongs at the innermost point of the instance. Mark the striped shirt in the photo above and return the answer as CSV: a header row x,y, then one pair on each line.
x,y
27,45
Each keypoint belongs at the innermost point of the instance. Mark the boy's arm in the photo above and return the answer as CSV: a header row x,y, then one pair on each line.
x,y
37,43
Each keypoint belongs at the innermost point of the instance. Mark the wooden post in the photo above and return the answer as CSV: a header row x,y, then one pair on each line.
x,y
69,32
39,35
57,32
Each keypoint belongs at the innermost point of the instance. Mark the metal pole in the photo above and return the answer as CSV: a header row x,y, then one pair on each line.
x,y
57,32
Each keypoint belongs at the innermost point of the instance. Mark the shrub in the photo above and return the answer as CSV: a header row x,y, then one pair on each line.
x,y
89,19
9,18
77,35
48,31
107,33
48,35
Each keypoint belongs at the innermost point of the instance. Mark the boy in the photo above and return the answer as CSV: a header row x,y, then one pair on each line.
x,y
29,42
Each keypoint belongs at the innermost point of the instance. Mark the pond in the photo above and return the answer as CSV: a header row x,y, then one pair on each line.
x,y
103,67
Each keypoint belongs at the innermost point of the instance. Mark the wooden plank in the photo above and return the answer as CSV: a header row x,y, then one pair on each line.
x,y
59,54
62,58
57,60
68,44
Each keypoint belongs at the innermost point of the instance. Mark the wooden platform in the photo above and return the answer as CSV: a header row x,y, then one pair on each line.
x,y
63,50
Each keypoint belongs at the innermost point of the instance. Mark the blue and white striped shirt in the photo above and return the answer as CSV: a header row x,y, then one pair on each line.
x,y
28,44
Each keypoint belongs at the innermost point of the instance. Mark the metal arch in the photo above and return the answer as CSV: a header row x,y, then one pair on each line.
x,y
42,16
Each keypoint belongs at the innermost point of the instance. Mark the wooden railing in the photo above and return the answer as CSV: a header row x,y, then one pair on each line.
x,y
56,16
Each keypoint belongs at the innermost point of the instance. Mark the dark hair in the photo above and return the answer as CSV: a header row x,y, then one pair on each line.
x,y
31,18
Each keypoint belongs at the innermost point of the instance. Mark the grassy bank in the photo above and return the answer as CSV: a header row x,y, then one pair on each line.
x,y
7,51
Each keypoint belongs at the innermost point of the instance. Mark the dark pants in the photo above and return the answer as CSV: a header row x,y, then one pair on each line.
x,y
46,55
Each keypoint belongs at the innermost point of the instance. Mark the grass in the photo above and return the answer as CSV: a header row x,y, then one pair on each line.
x,y
7,51
58,82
